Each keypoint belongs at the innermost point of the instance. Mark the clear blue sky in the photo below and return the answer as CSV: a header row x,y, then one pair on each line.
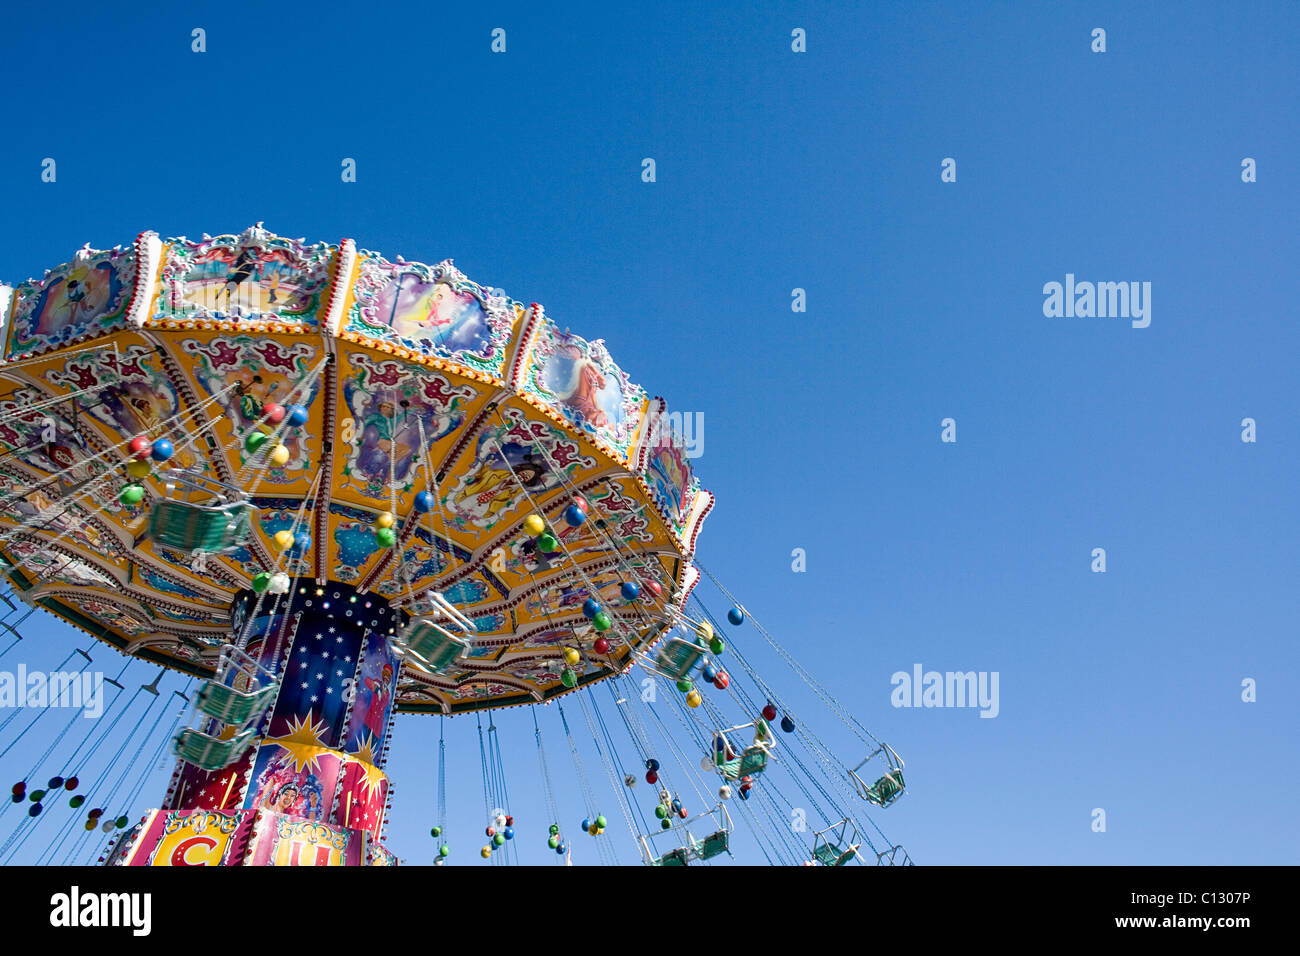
x,y
820,171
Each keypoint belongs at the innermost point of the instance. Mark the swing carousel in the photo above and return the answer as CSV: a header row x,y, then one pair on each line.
x,y
330,488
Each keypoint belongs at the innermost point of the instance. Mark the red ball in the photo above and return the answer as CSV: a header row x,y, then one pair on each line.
x,y
601,646
722,680
654,587
746,787
140,446
682,813
769,712
581,502
491,831
273,412
651,776
510,821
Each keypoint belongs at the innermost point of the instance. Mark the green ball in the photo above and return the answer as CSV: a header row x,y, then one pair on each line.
x,y
601,621
444,850
684,684
601,822
131,494
76,801
36,796
499,839
666,824
717,646
553,842
255,441
661,811
568,678
121,822
555,829
260,581
546,542
436,832
386,537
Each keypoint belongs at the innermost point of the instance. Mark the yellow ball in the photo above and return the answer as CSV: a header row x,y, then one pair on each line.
x,y
593,829
279,455
284,540
693,699
486,852
571,656
385,519
705,631
138,469
534,525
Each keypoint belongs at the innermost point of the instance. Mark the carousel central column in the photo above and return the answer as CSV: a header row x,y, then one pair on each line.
x,y
311,791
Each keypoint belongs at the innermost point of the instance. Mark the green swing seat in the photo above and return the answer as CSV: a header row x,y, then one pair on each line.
x,y
886,790
751,762
437,647
187,527
233,706
672,858
210,753
828,854
678,658
714,844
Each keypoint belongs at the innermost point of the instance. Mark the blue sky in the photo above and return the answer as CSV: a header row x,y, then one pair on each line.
x,y
819,171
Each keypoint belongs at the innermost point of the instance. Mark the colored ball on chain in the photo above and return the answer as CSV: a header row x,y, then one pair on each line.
x,y
34,810
676,805
580,502
769,711
279,456
562,849
273,412
534,525
510,833
301,544
424,502
90,824
724,791
297,415
590,607
138,469
787,724
36,796
629,781
122,821
499,840
568,678
162,450
260,581
55,783
654,587
651,777
629,590
444,850
385,519
717,645
254,441
693,699
486,852
744,793
140,446
385,537
652,764
574,516
499,820
736,616
279,583
107,826
97,812
554,829
283,540
601,646
722,680
684,684
593,829
665,824
76,801
547,542
682,813
601,621
586,823
553,842
17,797
571,656
490,831
710,673
19,789
761,729
661,811
435,832
601,822
70,783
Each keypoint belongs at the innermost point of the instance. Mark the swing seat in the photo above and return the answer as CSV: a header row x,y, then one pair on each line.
x,y
828,854
210,753
672,858
678,658
751,762
187,527
437,647
885,790
713,845
232,706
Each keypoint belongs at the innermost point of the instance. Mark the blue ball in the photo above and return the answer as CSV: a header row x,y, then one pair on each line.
x,y
652,764
630,590
301,544
424,502
297,415
162,450
677,806
561,849
510,833
736,616
710,673
574,516
591,607
787,724
586,825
